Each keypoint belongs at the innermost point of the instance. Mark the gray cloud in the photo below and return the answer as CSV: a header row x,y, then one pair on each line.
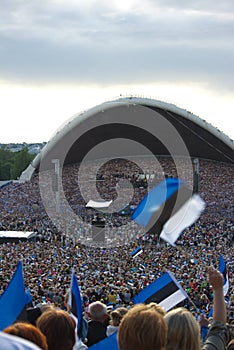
x,y
51,42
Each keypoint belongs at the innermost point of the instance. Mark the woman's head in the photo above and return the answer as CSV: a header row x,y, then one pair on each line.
x,y
115,318
142,328
183,330
59,329
29,332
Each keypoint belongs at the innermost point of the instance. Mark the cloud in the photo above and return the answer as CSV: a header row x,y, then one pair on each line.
x,y
102,42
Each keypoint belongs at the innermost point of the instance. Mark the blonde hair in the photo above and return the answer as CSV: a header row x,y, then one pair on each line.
x,y
142,328
183,330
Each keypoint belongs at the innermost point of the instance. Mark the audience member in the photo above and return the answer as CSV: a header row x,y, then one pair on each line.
x,y
59,328
142,328
29,332
184,331
115,319
97,324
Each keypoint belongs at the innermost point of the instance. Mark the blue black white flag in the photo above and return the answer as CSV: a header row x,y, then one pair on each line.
x,y
136,252
168,209
76,301
165,291
77,308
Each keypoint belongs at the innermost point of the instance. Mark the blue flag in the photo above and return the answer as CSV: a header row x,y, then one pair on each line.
x,y
136,252
154,199
223,270
168,209
107,343
165,291
28,296
14,299
77,309
76,301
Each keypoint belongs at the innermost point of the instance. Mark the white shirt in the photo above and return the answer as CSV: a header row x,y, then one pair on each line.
x,y
12,342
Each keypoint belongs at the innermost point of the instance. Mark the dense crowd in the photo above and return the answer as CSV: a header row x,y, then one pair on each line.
x,y
111,275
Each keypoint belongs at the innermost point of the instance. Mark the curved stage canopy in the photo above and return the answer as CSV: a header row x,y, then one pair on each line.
x,y
148,122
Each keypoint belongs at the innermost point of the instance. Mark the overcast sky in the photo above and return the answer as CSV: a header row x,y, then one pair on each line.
x,y
60,57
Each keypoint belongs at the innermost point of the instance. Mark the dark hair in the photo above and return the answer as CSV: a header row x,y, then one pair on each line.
x,y
59,329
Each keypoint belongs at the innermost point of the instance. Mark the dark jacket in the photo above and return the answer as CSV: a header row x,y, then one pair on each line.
x,y
96,332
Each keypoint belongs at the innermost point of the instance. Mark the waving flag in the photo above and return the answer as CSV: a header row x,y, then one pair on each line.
x,y
14,299
75,301
136,252
165,291
77,309
168,209
223,270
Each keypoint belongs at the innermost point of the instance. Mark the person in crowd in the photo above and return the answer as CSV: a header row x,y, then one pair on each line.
x,y
184,330
97,324
143,328
12,342
59,328
29,332
115,319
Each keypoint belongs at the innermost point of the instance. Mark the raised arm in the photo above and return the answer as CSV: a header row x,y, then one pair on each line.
x,y
219,306
218,335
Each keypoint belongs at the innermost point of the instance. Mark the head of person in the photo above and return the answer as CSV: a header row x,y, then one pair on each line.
x,y
142,328
29,332
59,328
115,318
183,330
98,311
122,310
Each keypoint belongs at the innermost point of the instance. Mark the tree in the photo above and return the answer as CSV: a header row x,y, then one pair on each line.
x,y
20,162
6,161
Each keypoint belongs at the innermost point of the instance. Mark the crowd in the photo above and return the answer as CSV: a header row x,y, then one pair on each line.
x,y
139,327
110,275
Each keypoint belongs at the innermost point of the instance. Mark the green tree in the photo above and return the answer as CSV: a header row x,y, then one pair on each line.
x,y
6,161
21,160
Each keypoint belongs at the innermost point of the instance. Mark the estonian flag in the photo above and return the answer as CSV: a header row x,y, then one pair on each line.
x,y
223,270
136,252
77,309
168,209
14,299
76,302
165,291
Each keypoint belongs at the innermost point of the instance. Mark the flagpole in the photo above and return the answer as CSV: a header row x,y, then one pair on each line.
x,y
196,308
190,300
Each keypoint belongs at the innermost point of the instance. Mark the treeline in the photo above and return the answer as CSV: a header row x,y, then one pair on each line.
x,y
13,163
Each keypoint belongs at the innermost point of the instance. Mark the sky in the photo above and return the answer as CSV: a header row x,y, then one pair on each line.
x,y
60,57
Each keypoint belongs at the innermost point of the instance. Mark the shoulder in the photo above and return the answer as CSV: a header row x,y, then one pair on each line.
x,y
10,342
217,337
